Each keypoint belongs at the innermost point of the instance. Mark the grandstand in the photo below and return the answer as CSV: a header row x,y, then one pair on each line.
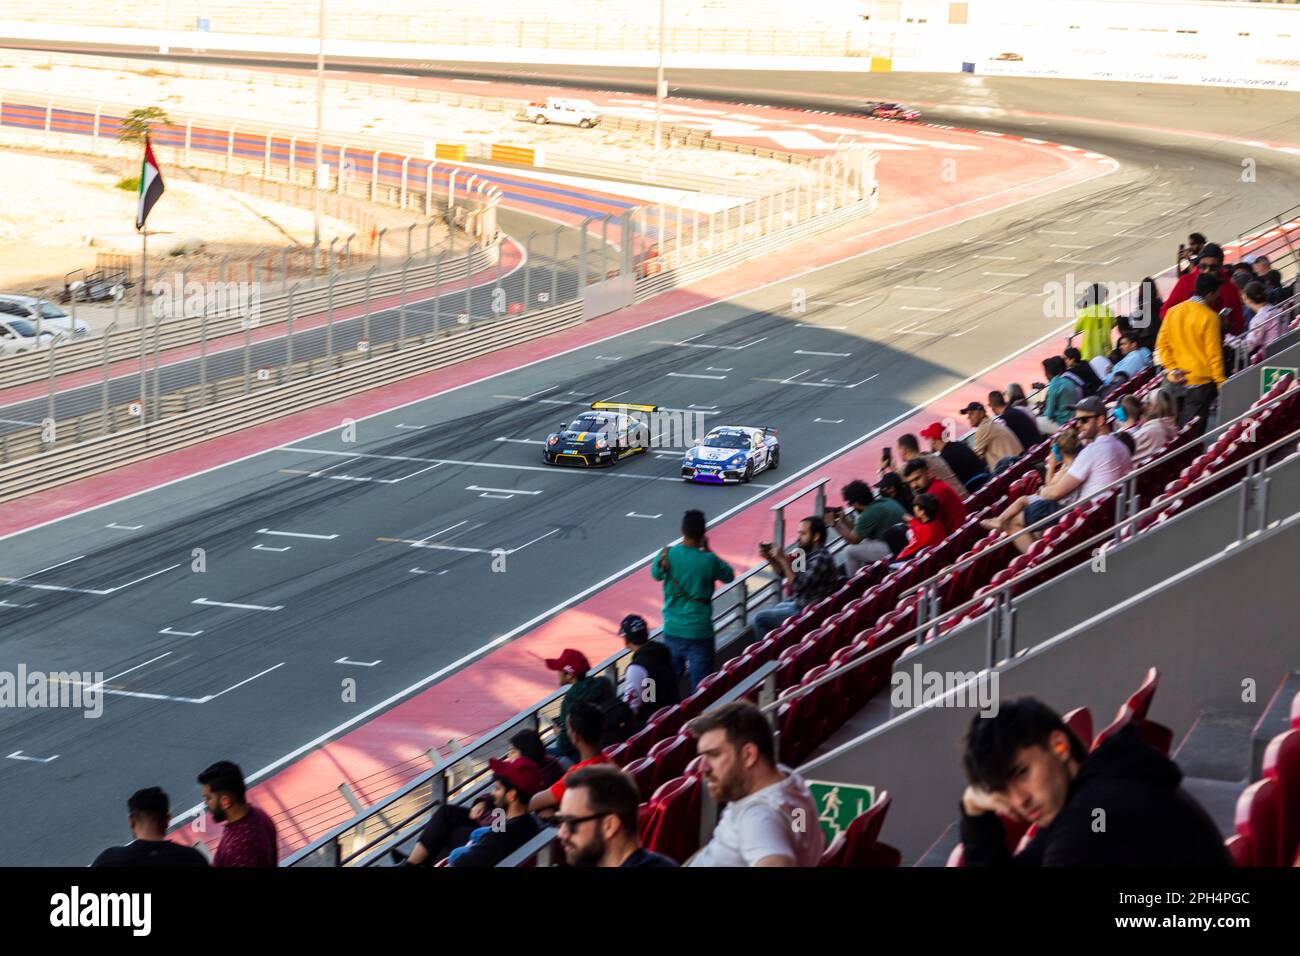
x,y
1130,593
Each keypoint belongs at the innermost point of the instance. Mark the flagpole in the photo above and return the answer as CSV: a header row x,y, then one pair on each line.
x,y
139,324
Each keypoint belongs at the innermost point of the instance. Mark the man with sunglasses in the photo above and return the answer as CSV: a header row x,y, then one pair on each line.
x,y
1210,262
598,821
1104,459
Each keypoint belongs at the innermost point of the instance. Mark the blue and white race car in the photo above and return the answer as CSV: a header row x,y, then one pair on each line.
x,y
731,454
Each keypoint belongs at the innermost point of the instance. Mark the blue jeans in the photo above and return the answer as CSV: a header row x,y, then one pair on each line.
x,y
770,618
693,655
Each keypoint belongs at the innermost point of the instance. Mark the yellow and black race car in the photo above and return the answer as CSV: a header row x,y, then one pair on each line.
x,y
608,433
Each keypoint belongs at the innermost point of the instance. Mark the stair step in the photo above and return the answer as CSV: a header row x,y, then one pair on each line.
x,y
1218,797
1217,747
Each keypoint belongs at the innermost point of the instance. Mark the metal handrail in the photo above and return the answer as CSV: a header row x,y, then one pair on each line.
x,y
1002,593
1119,484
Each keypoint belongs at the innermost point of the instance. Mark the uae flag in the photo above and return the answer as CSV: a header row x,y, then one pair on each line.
x,y
151,185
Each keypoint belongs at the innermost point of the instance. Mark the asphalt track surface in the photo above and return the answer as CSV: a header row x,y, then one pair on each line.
x,y
382,549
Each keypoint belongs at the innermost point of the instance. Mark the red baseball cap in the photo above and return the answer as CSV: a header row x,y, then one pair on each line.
x,y
520,773
571,662
933,432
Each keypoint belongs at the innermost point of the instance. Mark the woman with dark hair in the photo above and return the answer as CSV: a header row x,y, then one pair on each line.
x,y
1144,322
1063,391
528,743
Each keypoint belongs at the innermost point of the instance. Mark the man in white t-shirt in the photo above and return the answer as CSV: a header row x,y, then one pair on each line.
x,y
771,817
1104,459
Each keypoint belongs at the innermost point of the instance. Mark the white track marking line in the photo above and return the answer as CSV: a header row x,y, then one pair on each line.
x,y
124,527
19,755
830,421
998,258
831,328
243,682
710,368
106,680
168,630
521,441
262,547
549,469
1008,275
688,344
610,358
297,534
716,378
502,491
633,514
241,607
705,408
11,604
920,288
828,354
50,568
414,427
922,308
344,660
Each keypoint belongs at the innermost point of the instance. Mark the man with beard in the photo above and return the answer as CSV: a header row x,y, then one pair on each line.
x,y
598,821
249,837
771,816
511,825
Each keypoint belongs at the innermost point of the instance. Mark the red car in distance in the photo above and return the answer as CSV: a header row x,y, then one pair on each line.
x,y
883,110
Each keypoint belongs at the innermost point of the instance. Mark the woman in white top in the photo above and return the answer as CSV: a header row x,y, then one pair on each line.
x,y
1265,324
1159,424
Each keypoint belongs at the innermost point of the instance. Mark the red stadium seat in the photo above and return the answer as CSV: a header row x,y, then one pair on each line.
x,y
672,826
1140,701
1282,763
1079,721
1239,850
859,845
643,772
670,758
1258,810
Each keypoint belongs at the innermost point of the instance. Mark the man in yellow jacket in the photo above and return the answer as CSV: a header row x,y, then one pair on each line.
x,y
1190,348
1095,321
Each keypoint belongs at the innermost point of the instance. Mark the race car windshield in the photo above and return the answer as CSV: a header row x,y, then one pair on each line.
x,y
726,441
588,423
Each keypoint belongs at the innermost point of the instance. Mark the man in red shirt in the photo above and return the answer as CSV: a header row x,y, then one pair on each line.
x,y
952,512
249,838
1211,261
585,723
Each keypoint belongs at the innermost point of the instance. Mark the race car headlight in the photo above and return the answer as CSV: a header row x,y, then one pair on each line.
x,y
737,459
601,443
553,440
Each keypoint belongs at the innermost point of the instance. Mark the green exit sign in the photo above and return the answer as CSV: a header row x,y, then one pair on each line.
x,y
1269,374
839,804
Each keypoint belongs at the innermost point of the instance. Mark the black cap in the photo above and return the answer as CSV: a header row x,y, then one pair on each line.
x,y
972,407
635,627
1092,405
1211,251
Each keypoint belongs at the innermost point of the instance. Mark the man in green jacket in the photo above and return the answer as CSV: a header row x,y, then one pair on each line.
x,y
689,572
573,667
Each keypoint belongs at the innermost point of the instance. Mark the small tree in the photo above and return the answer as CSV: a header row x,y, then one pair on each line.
x,y
137,123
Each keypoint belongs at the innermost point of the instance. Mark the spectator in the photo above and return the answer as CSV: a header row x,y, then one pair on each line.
x,y
815,580
965,464
1018,514
992,439
893,487
1128,413
528,743
1144,322
871,517
1088,378
249,838
1094,322
147,814
1158,426
1026,764
573,668
1135,359
650,681
1265,323
1210,263
925,530
952,512
1063,390
1187,254
514,783
771,816
909,449
598,823
585,727
1277,292
689,572
1022,422
1190,349
450,827
1016,397
1125,438
1261,266
1104,460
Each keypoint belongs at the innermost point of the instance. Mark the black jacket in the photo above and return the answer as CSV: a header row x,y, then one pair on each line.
x,y
965,464
496,845
1088,375
658,664
1023,425
1148,819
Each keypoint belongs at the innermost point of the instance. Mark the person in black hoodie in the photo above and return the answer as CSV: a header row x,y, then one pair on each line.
x,y
651,680
1120,805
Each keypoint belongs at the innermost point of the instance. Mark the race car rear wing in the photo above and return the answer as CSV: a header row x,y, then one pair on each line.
x,y
623,407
